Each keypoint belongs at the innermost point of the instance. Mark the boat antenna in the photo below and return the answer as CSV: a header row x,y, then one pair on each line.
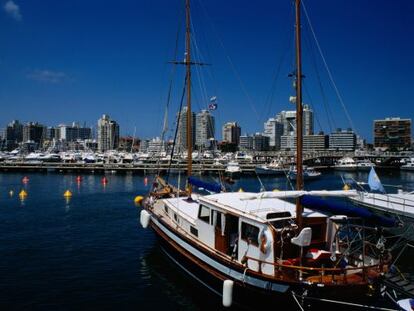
x,y
188,79
299,112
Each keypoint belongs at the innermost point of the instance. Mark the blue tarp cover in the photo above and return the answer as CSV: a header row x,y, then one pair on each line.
x,y
342,208
205,185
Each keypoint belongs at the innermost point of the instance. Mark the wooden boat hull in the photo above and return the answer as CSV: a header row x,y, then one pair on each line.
x,y
250,290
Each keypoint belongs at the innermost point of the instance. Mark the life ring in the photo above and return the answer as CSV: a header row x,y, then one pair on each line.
x,y
265,241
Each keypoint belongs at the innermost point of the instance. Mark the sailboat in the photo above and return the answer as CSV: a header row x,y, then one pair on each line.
x,y
254,249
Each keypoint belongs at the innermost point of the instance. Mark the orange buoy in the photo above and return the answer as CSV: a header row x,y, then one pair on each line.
x,y
78,179
25,179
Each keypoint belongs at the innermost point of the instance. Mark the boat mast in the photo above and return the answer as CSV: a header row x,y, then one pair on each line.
x,y
299,113
188,79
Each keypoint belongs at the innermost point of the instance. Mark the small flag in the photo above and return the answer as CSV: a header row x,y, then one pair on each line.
x,y
374,181
213,104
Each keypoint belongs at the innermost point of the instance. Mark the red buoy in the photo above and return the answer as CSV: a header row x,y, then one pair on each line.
x,y
25,179
78,179
145,181
104,180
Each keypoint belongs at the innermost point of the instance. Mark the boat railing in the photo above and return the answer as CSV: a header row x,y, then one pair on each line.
x,y
406,203
320,274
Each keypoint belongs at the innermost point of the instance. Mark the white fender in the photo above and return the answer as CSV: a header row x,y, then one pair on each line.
x,y
144,218
265,239
228,293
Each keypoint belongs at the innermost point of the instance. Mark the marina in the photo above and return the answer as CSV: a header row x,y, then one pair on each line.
x,y
304,202
90,251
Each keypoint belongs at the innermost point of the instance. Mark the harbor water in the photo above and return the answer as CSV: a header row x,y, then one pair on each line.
x,y
88,251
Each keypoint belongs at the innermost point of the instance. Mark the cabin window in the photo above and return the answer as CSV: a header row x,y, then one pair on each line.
x,y
250,233
278,215
204,213
166,209
175,217
194,231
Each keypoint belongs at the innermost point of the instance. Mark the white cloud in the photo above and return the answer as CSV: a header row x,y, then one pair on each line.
x,y
13,9
47,76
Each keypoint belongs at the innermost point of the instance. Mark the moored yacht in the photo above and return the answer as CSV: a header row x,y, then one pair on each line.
x,y
273,168
409,166
364,165
309,173
346,164
233,169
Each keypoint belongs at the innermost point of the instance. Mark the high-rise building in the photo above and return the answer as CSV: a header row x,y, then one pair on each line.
x,y
231,133
392,133
34,132
182,129
13,134
156,145
246,142
342,140
205,128
260,142
274,130
74,132
316,142
108,134
288,120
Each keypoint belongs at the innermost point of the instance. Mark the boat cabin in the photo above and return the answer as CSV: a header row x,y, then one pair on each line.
x,y
254,232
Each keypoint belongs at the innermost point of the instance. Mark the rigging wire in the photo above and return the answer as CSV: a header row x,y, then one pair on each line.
x,y
176,130
169,95
326,106
232,66
312,105
276,73
327,69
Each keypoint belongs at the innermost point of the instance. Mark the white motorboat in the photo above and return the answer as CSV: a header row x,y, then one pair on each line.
x,y
233,169
400,203
409,166
273,168
364,165
346,164
309,173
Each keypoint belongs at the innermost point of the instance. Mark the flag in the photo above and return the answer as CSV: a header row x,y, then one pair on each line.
x,y
213,104
374,181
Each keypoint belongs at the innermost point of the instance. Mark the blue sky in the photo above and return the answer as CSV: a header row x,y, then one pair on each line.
x,y
64,61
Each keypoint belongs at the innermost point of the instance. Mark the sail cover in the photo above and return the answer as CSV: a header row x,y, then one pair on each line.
x,y
205,185
341,208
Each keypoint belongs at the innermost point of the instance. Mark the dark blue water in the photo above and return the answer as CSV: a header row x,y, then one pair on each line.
x,y
90,253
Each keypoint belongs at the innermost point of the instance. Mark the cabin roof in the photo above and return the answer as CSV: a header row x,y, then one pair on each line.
x,y
257,208
238,203
184,208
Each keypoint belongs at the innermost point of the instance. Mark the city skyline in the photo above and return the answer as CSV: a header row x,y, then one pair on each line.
x,y
109,62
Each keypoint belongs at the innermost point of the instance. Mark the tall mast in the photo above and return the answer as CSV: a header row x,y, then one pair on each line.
x,y
299,113
188,79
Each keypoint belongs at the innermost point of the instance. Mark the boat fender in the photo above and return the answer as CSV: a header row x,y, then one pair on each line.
x,y
265,241
145,219
228,293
